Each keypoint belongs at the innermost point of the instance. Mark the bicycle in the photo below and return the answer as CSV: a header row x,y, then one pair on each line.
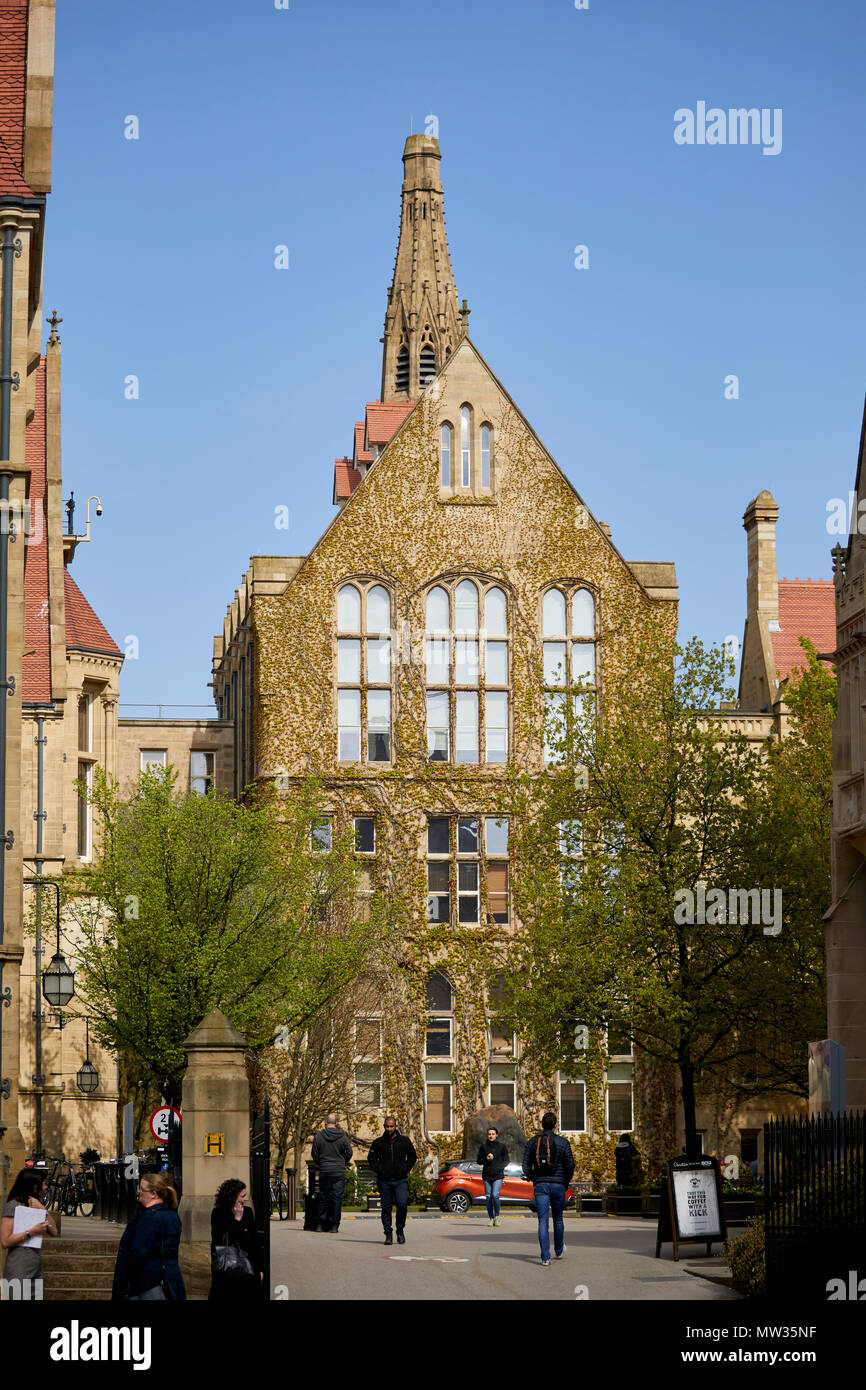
x,y
279,1195
73,1192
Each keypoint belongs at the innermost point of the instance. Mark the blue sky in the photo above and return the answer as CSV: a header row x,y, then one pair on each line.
x,y
261,127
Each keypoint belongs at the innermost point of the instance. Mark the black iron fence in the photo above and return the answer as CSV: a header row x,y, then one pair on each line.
x,y
116,1189
815,1214
260,1183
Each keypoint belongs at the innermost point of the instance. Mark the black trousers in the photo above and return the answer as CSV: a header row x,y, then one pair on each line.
x,y
393,1191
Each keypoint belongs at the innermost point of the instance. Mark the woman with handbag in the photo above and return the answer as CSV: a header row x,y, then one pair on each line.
x,y
236,1259
147,1269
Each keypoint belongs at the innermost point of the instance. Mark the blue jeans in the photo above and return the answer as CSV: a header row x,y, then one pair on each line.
x,y
491,1193
393,1191
331,1199
550,1196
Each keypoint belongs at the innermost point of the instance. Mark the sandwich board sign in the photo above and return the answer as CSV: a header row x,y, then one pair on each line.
x,y
691,1209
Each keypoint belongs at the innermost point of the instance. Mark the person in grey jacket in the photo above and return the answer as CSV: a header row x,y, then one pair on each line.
x,y
331,1153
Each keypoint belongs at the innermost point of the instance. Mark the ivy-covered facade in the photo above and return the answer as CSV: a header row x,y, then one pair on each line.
x,y
406,661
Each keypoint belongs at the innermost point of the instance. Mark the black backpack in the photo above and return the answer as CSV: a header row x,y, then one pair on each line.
x,y
545,1160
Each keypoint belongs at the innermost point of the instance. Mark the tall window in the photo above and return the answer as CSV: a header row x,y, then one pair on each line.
x,y
502,1084
402,382
572,1106
485,455
440,1004
201,772
465,446
446,439
467,675
467,861
439,1044
85,723
364,674
85,811
569,660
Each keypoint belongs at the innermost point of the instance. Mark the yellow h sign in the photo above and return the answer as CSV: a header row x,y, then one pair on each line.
x,y
214,1145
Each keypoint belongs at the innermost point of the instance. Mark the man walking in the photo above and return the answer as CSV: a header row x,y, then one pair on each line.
x,y
331,1152
548,1164
392,1158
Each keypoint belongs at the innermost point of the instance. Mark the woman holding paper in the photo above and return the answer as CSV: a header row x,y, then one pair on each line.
x,y
24,1219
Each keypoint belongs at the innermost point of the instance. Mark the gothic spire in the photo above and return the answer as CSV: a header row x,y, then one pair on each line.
x,y
422,319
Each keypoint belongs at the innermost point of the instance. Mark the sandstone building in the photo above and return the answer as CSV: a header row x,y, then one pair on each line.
x,y
405,661
845,930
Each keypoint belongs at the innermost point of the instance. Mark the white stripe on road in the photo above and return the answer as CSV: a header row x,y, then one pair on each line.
x,y
430,1259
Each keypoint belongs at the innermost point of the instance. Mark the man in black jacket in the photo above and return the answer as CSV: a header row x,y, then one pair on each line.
x,y
392,1158
548,1164
331,1152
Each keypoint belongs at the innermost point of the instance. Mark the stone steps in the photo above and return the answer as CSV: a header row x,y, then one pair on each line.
x,y
78,1270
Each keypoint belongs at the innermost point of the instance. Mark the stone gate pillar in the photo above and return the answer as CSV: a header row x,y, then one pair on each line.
x,y
216,1115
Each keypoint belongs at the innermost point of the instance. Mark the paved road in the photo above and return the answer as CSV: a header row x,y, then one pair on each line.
x,y
611,1258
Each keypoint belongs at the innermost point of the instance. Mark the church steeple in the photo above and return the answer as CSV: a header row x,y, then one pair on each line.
x,y
423,321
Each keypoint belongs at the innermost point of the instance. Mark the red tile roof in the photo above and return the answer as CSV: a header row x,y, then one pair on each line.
x,y
13,91
84,631
807,608
36,669
346,479
384,419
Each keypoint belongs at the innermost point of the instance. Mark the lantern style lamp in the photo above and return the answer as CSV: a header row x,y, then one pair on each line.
x,y
87,1077
58,982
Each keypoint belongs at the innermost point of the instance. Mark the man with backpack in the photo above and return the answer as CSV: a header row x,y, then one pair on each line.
x,y
548,1164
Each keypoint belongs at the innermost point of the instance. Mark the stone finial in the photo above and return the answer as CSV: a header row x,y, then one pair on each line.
x,y
54,320
214,1031
838,556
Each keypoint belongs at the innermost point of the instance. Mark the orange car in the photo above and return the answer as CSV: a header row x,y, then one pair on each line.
x,y
460,1185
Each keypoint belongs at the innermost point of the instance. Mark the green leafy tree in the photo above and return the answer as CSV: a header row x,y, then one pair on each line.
x,y
198,902
631,845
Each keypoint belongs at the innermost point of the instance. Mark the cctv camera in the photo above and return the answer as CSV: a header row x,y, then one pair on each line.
x,y
99,511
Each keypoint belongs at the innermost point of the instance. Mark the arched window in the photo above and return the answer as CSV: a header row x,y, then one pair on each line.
x,y
467,674
445,475
569,660
403,369
439,993
486,433
465,446
364,674
427,364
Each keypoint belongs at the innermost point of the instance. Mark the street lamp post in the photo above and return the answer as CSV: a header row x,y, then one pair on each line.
x,y
58,982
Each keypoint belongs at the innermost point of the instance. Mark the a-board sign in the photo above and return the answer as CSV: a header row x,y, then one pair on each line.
x,y
159,1122
691,1209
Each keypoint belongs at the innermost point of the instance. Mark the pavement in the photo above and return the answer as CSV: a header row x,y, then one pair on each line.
x,y
462,1258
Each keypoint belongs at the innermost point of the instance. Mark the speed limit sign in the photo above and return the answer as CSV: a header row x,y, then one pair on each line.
x,y
159,1122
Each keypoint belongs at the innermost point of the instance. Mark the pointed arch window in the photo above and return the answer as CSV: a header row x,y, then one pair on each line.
x,y
427,364
486,435
467,673
465,446
364,673
569,659
445,455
